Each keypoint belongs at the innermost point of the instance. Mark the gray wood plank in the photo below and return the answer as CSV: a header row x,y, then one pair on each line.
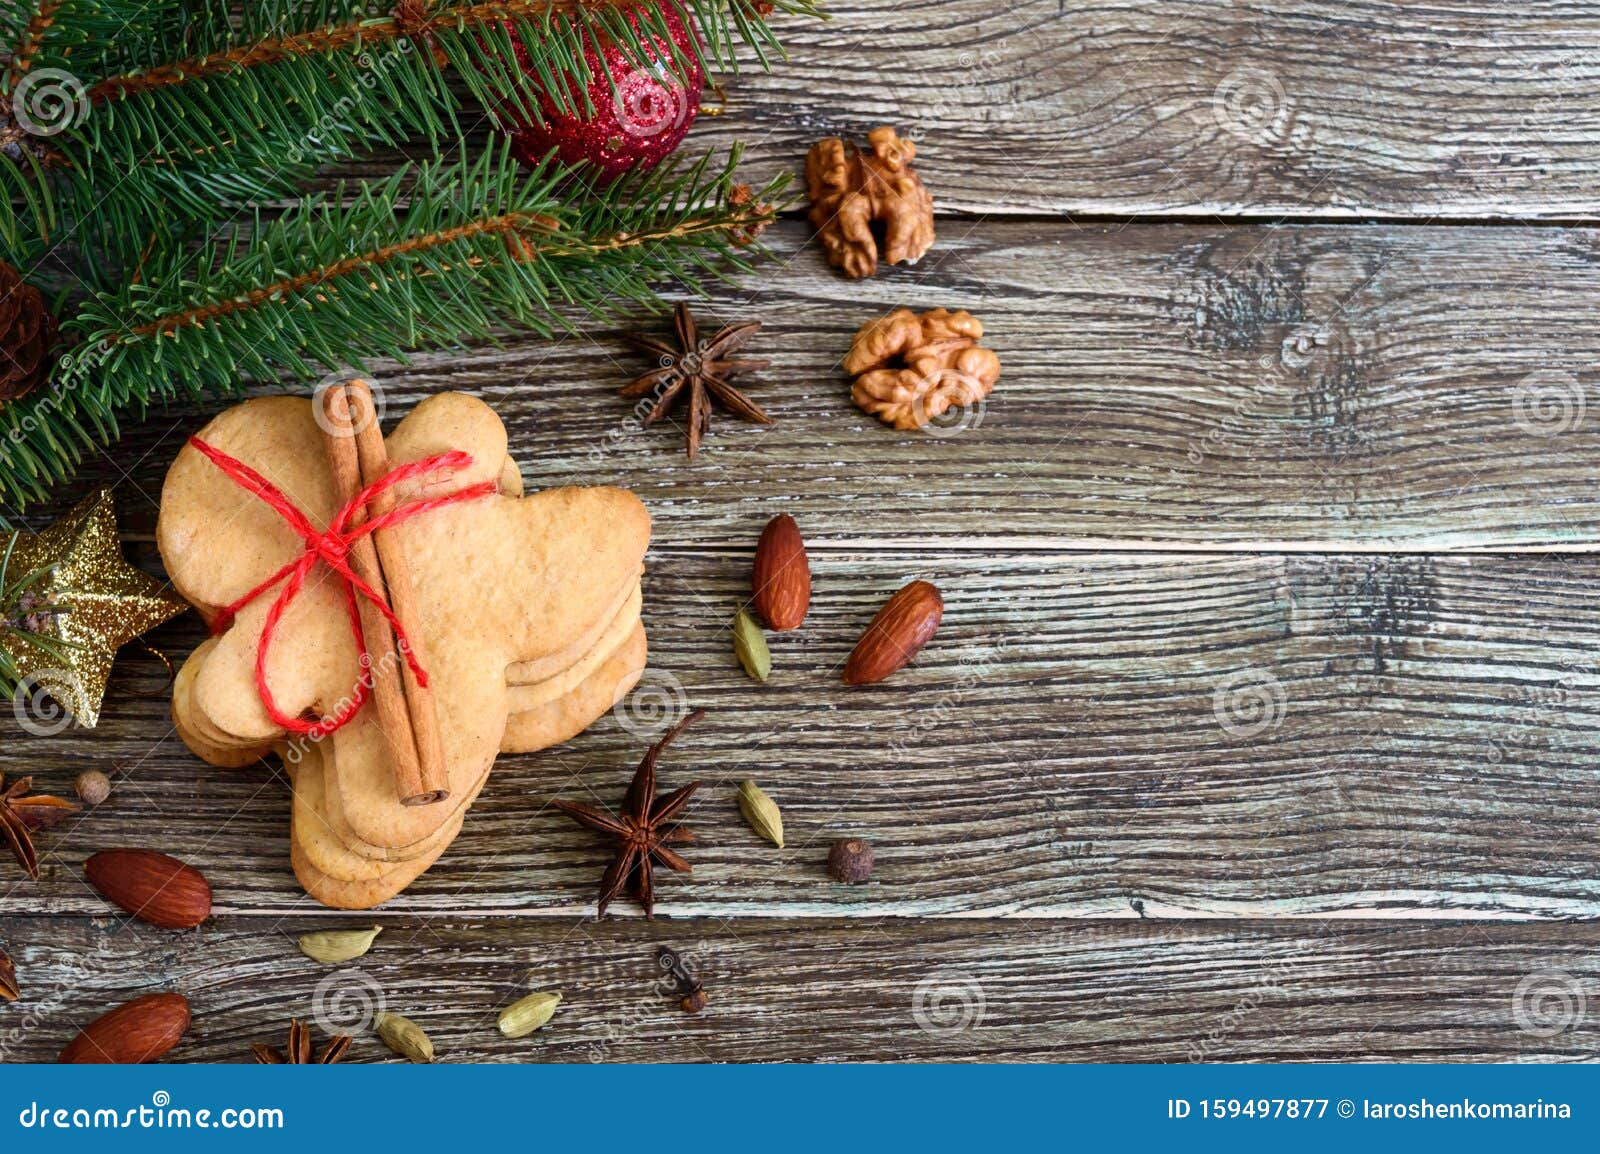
x,y
1294,108
1325,387
1108,735
839,991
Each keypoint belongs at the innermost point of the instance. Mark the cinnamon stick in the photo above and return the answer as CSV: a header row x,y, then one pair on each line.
x,y
341,409
401,591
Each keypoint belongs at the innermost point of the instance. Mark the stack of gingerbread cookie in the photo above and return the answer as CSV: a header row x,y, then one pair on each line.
x,y
388,615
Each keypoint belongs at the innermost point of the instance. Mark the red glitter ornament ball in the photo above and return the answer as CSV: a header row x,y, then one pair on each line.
x,y
635,127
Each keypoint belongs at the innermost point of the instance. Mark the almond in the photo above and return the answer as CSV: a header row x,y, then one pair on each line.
x,y
906,623
138,1031
151,886
780,586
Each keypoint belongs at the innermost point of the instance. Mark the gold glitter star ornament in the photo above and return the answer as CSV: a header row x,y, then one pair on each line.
x,y
71,600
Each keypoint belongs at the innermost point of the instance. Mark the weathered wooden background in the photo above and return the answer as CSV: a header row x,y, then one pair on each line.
x,y
1265,721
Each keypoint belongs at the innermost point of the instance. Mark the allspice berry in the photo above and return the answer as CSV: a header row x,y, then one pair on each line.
x,y
93,786
850,860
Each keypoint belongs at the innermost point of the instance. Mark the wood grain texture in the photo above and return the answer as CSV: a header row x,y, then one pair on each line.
x,y
1276,108
1254,687
1107,735
1335,387
1283,107
846,991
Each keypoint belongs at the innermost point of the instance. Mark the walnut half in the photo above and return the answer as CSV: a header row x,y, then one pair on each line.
x,y
852,190
909,369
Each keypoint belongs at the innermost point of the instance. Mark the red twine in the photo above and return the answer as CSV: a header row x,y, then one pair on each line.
x,y
332,548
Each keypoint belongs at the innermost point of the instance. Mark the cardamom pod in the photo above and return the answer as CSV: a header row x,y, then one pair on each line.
x,y
338,945
761,812
750,645
405,1037
526,1015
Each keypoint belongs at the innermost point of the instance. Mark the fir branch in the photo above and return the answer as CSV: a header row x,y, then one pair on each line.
x,y
196,117
411,19
505,225
481,245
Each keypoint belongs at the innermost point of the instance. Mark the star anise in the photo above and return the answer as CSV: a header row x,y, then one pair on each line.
x,y
699,370
21,815
8,979
644,829
299,1049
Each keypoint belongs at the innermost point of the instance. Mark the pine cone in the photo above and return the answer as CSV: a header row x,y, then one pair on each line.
x,y
27,336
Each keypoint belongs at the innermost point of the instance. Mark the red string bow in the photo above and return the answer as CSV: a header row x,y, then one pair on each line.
x,y
332,547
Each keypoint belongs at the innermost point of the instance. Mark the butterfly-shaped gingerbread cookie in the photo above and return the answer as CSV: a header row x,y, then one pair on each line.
x,y
525,606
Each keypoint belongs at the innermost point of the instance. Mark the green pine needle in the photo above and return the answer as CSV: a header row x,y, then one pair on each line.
x,y
172,115
146,144
11,615
481,245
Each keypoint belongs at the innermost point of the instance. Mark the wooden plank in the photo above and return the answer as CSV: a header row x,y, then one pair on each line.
x,y
1282,107
1277,108
1384,388
1107,735
843,991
